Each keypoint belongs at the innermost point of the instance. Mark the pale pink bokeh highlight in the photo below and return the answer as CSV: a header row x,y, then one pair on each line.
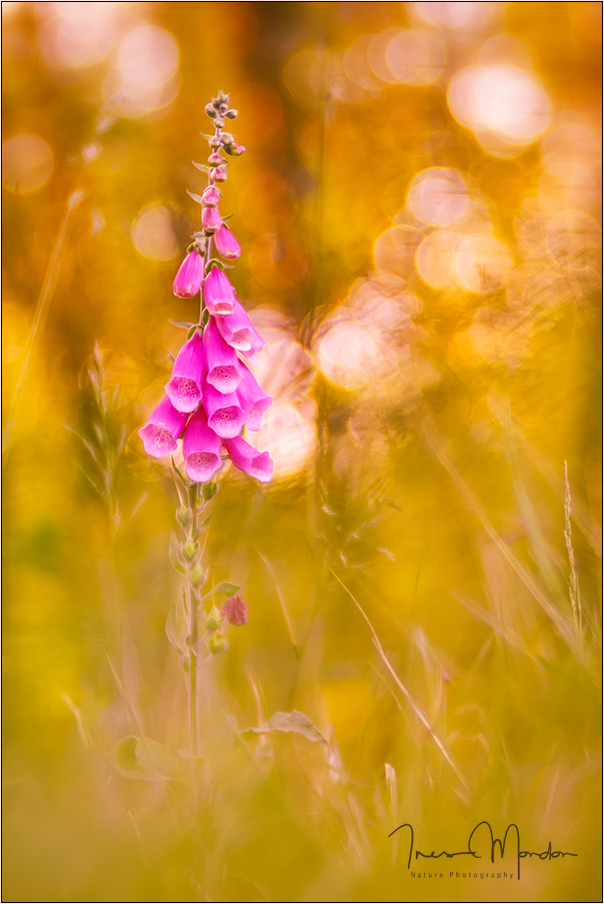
x,y
439,196
505,105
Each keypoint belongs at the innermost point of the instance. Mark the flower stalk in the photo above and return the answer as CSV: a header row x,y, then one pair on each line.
x,y
212,396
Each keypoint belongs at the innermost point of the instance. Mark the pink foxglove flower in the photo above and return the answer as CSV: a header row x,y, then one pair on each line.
x,y
201,448
235,610
212,394
227,245
225,415
237,330
218,292
163,428
190,275
249,460
222,364
184,389
210,219
252,399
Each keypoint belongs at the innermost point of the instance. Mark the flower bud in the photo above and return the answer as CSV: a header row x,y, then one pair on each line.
x,y
231,114
210,219
218,292
213,620
210,197
223,108
215,141
227,245
187,282
218,174
184,516
219,122
197,577
209,490
217,644
227,138
189,550
215,159
210,110
234,150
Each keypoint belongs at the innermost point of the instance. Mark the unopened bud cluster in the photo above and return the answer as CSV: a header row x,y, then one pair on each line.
x,y
212,394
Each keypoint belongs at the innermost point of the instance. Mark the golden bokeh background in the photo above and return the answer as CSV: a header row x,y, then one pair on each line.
x,y
419,213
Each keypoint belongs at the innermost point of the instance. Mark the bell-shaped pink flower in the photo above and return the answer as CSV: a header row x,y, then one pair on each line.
x,y
201,448
218,292
252,399
190,275
247,459
210,219
226,417
227,245
163,428
184,389
222,364
237,330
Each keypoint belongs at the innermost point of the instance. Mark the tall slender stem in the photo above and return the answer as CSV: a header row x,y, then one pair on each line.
x,y
193,637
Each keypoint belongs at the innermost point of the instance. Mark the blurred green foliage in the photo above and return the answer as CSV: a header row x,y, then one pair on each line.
x,y
425,409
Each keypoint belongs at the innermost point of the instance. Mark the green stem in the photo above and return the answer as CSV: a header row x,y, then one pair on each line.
x,y
193,718
194,622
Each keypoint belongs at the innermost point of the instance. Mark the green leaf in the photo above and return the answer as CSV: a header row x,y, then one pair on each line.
x,y
125,758
174,554
177,627
181,485
88,445
210,489
193,195
295,722
226,588
143,758
202,528
200,166
221,264
182,323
